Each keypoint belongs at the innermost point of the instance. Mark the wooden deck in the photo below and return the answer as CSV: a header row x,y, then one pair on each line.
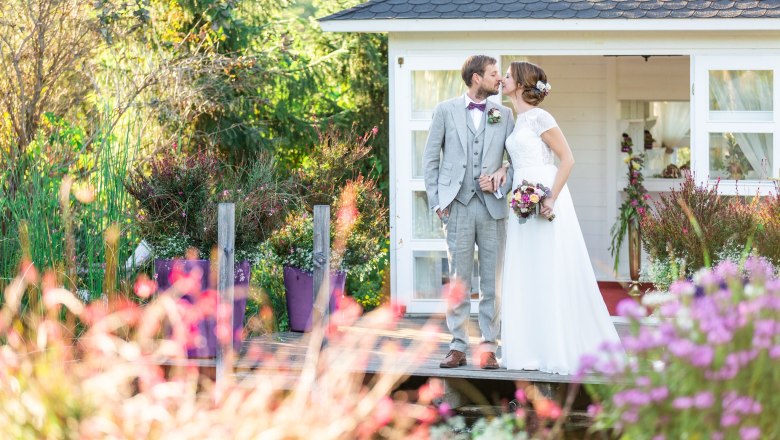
x,y
288,351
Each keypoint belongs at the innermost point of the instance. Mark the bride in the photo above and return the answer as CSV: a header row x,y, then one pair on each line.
x,y
552,309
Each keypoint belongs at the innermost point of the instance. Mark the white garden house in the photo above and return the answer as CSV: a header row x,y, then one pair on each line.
x,y
700,76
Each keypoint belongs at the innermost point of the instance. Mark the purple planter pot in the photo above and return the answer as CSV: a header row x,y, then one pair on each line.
x,y
207,326
300,296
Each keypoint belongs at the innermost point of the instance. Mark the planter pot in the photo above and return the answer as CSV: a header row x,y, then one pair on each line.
x,y
207,346
299,286
634,255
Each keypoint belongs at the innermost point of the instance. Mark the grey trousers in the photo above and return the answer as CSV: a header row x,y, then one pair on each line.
x,y
469,224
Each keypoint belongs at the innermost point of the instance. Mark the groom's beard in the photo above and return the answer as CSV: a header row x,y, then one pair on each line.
x,y
484,92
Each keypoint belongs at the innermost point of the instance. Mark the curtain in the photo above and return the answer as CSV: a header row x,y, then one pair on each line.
x,y
757,148
673,122
745,90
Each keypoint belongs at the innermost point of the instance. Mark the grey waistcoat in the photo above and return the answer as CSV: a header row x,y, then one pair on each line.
x,y
474,143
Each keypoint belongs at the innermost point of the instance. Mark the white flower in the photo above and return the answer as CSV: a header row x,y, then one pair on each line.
x,y
543,87
654,299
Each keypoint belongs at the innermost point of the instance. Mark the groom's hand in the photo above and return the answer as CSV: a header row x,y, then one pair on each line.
x,y
486,183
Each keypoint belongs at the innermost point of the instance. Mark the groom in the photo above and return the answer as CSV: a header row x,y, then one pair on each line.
x,y
465,147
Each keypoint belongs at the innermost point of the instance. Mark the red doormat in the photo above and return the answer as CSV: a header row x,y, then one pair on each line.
x,y
613,292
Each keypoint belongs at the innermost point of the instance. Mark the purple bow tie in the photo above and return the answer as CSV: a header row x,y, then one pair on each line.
x,y
472,105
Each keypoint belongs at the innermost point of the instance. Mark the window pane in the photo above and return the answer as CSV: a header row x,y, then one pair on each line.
x,y
418,145
741,90
667,144
425,222
741,156
430,87
430,273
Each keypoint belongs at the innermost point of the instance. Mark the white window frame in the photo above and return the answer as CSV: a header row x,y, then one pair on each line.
x,y
704,123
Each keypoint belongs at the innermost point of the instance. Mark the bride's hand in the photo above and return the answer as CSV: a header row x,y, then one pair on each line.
x,y
547,207
498,178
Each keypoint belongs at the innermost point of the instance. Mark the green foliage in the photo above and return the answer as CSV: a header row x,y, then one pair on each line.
x,y
32,223
268,288
361,249
372,287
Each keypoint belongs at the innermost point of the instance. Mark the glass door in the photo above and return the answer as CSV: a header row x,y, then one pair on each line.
x,y
421,251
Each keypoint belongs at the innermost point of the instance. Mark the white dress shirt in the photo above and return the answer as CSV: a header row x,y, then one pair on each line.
x,y
475,113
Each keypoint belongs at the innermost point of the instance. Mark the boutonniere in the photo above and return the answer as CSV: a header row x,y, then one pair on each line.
x,y
494,115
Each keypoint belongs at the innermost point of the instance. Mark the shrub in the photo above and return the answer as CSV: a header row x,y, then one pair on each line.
x,y
704,370
767,241
693,223
177,197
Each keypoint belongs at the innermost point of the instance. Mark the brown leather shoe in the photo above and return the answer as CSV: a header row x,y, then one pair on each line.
x,y
453,359
488,361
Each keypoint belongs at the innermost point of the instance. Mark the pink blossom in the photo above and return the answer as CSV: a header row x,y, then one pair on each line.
x,y
144,287
383,413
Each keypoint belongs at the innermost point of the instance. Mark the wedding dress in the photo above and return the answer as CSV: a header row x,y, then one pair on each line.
x,y
552,310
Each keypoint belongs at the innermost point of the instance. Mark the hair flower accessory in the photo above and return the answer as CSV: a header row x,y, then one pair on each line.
x,y
494,115
543,87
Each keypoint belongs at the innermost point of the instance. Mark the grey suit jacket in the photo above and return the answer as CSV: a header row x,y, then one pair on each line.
x,y
444,157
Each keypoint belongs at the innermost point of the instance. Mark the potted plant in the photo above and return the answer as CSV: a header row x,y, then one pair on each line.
x,y
359,224
177,197
632,208
358,231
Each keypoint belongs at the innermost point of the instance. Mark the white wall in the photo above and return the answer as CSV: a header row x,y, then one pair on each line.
x,y
578,103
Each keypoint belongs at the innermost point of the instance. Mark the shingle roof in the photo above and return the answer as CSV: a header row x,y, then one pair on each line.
x,y
558,9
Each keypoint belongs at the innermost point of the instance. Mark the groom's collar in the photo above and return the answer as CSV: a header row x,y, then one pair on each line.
x,y
467,100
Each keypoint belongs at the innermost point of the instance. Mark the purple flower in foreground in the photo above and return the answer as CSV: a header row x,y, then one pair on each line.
x,y
729,419
659,394
759,268
682,348
682,402
702,356
726,269
703,400
629,308
682,288
750,433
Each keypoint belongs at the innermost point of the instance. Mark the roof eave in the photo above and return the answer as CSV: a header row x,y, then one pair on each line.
x,y
503,24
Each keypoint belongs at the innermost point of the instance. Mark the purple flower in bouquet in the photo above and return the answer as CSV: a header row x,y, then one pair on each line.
x,y
527,199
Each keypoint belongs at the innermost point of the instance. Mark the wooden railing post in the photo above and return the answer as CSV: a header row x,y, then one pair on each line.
x,y
226,238
321,265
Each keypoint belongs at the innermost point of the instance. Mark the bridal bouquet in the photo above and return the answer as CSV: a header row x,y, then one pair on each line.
x,y
527,198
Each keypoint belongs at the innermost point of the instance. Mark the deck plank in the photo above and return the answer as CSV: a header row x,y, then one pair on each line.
x,y
291,347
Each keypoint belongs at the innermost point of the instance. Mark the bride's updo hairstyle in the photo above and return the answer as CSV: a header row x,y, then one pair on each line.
x,y
526,75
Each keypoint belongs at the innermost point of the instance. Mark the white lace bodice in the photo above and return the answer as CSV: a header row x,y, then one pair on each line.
x,y
525,145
